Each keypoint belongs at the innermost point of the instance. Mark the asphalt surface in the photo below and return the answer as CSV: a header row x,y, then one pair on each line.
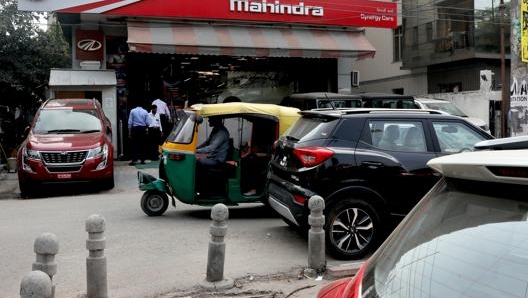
x,y
298,282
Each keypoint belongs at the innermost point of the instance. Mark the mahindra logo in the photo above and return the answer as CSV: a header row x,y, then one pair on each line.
x,y
283,162
275,7
89,45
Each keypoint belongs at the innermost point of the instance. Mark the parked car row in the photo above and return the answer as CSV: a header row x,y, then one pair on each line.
x,y
318,100
368,164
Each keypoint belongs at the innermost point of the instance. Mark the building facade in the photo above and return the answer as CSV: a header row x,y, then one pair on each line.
x,y
208,51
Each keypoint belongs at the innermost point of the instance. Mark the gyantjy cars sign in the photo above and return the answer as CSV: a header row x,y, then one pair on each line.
x,y
359,13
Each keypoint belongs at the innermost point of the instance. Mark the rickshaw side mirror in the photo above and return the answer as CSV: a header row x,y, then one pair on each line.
x,y
198,119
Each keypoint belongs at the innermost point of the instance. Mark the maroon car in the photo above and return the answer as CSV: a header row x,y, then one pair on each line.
x,y
69,142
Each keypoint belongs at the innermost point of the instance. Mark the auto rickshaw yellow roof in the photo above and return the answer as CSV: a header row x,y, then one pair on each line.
x,y
286,115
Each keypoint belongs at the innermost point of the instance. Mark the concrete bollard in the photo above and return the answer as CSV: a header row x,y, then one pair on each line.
x,y
316,235
216,254
36,284
96,280
46,246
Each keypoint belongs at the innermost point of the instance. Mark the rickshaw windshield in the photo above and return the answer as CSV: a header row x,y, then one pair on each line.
x,y
183,130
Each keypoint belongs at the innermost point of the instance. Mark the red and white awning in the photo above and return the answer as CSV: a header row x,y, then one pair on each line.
x,y
247,41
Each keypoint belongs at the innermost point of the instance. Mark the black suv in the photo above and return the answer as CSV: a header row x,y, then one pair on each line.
x,y
368,164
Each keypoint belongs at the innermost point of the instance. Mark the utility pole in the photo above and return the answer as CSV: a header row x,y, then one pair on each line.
x,y
505,98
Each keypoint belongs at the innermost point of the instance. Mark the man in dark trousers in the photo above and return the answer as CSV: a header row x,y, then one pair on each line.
x,y
154,133
165,115
138,122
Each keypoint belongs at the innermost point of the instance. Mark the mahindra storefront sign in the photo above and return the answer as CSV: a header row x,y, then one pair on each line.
x,y
358,13
89,45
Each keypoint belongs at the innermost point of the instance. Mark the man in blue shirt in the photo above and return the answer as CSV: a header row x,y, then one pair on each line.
x,y
138,122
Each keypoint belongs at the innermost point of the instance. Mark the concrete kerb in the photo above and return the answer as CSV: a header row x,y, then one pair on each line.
x,y
8,185
224,284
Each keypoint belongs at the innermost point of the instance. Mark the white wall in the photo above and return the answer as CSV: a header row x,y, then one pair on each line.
x,y
473,103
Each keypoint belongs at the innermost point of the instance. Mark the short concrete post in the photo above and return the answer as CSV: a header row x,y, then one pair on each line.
x,y
46,246
36,284
316,235
96,261
215,279
216,255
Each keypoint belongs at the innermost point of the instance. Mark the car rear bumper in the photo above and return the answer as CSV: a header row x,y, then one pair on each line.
x,y
282,209
281,199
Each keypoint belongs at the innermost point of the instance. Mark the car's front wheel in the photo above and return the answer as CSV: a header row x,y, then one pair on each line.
x,y
352,229
154,203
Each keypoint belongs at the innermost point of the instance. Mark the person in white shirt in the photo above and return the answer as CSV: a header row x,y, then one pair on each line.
x,y
155,133
165,114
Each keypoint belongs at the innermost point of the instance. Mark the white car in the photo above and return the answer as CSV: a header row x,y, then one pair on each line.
x,y
449,108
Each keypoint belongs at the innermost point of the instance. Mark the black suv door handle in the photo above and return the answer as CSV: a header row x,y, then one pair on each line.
x,y
372,164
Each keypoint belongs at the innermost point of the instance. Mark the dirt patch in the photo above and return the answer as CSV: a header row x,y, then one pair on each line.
x,y
294,283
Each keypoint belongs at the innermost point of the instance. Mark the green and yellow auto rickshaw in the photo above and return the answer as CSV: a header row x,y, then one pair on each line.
x,y
252,128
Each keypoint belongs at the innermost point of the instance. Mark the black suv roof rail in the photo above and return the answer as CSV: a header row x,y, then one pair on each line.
x,y
510,143
348,111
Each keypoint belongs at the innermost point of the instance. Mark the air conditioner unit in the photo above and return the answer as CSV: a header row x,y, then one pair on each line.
x,y
354,78
90,65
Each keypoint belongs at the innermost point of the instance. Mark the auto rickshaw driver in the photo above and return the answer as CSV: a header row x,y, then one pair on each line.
x,y
213,152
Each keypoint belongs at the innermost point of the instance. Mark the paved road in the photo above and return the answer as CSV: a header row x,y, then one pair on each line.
x,y
146,256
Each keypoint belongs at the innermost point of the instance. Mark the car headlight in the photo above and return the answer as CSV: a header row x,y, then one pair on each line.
x,y
95,152
31,154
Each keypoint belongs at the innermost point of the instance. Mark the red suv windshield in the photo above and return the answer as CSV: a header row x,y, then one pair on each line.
x,y
67,121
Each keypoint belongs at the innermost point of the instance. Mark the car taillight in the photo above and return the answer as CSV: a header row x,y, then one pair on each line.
x,y
299,199
312,156
514,172
354,288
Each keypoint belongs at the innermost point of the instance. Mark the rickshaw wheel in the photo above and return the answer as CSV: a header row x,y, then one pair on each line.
x,y
154,203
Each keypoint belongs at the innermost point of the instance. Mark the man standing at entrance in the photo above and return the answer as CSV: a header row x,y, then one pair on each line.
x,y
137,130
165,115
155,132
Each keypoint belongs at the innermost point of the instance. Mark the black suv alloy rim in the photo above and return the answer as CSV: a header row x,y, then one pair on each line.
x,y
352,230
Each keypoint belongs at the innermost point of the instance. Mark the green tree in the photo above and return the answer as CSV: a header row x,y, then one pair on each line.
x,y
27,53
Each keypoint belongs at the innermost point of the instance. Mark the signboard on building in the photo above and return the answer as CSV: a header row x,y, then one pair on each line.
x,y
524,31
89,45
358,13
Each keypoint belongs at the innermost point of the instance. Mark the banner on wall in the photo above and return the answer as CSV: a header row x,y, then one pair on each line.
x,y
524,31
360,13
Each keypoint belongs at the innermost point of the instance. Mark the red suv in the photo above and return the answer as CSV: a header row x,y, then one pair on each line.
x,y
70,140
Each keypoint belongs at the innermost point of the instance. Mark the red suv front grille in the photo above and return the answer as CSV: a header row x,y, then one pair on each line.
x,y
64,157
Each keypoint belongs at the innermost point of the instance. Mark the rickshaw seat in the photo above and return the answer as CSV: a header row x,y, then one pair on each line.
x,y
228,168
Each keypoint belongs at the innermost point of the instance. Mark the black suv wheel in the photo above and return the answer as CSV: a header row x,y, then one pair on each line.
x,y
351,229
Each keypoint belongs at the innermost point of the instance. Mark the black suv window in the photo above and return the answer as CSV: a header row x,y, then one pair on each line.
x,y
311,128
455,137
397,135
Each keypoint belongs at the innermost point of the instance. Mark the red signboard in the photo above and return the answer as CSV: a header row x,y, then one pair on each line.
x,y
357,13
89,45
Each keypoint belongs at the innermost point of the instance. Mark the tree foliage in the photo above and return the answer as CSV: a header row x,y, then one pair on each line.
x,y
27,53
